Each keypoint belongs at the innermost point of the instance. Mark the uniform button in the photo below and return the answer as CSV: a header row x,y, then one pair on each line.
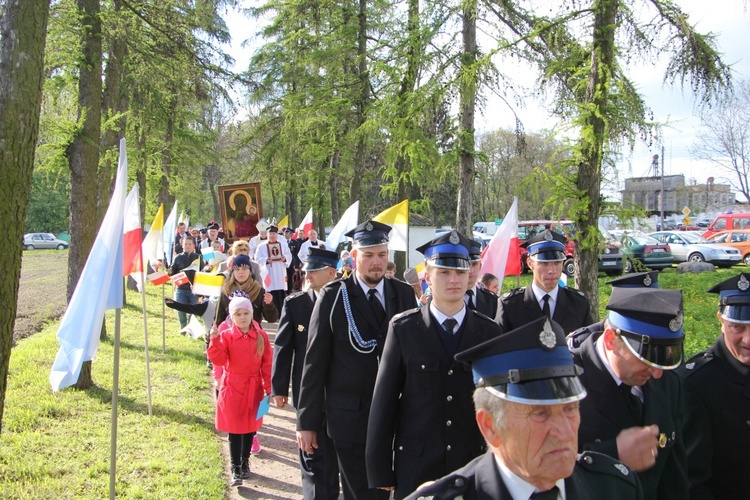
x,y
673,435
449,398
597,440
423,367
459,482
401,448
588,459
450,372
449,423
747,422
448,448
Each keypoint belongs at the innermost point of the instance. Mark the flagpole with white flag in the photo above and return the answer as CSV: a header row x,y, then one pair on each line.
x,y
346,223
501,256
168,236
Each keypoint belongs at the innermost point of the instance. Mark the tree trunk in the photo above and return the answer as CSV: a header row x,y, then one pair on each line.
x,y
166,155
468,98
594,136
23,32
355,187
84,153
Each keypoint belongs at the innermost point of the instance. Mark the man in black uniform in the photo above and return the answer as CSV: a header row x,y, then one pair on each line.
x,y
422,418
320,472
527,409
296,264
648,279
478,298
717,400
347,332
545,297
634,404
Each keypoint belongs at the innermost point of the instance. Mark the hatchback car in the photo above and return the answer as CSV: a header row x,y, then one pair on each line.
x,y
738,238
645,249
43,240
691,247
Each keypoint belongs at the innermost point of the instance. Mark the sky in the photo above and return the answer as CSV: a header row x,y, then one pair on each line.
x,y
671,106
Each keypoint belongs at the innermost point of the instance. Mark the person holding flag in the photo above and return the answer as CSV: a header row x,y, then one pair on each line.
x,y
189,261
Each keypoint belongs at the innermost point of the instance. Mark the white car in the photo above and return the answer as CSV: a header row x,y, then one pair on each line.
x,y
691,247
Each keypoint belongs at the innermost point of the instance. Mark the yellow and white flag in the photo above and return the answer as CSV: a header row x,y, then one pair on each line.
x,y
208,284
397,217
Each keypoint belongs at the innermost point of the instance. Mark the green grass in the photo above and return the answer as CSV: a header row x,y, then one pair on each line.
x,y
701,326
56,445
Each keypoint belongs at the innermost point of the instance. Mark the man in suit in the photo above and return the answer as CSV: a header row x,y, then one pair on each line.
x,y
478,298
347,333
320,472
545,297
634,404
648,279
422,418
717,400
527,408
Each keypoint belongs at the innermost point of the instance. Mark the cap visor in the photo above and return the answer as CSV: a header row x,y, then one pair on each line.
x,y
313,266
550,391
548,256
665,356
450,262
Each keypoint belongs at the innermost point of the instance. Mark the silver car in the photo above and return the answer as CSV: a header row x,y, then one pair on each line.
x,y
691,247
43,240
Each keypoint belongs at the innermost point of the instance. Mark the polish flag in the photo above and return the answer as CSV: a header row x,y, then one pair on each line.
x,y
502,256
307,223
132,260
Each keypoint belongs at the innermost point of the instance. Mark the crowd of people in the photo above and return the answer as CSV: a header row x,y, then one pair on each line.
x,y
436,386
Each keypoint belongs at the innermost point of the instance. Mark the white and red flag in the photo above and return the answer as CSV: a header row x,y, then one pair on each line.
x,y
502,256
132,235
307,223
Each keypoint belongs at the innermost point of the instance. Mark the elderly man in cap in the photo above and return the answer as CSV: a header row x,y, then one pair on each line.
x,y
545,297
527,408
213,235
274,254
717,400
634,403
477,298
320,472
422,420
634,280
347,333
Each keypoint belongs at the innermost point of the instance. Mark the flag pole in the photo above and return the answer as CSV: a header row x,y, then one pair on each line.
x,y
163,322
115,398
145,329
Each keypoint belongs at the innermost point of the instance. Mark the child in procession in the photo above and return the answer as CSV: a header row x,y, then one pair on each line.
x,y
243,350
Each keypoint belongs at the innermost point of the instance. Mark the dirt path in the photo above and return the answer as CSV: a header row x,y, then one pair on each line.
x,y
42,291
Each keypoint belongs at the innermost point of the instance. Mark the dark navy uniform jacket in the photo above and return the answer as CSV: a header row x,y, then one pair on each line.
x,y
519,306
717,423
595,477
604,413
422,423
339,376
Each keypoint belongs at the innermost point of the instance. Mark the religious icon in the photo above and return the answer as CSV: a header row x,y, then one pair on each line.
x,y
241,209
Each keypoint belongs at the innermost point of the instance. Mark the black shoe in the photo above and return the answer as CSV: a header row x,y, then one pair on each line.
x,y
245,470
236,477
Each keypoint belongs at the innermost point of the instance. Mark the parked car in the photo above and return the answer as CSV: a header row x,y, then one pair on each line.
x,y
737,238
692,247
43,240
645,249
725,222
610,258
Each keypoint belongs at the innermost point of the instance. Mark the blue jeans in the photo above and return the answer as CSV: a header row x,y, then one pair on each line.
x,y
184,297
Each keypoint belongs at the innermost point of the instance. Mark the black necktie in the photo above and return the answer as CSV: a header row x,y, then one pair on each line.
x,y
635,405
470,303
545,307
545,495
449,325
377,307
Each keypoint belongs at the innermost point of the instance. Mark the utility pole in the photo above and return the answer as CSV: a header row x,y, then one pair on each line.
x,y
662,187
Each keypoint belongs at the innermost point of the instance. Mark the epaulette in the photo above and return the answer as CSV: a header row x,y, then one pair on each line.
x,y
599,463
295,295
697,362
575,290
577,337
514,291
449,487
332,284
406,313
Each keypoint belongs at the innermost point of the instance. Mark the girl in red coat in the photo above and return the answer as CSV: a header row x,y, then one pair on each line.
x,y
244,351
